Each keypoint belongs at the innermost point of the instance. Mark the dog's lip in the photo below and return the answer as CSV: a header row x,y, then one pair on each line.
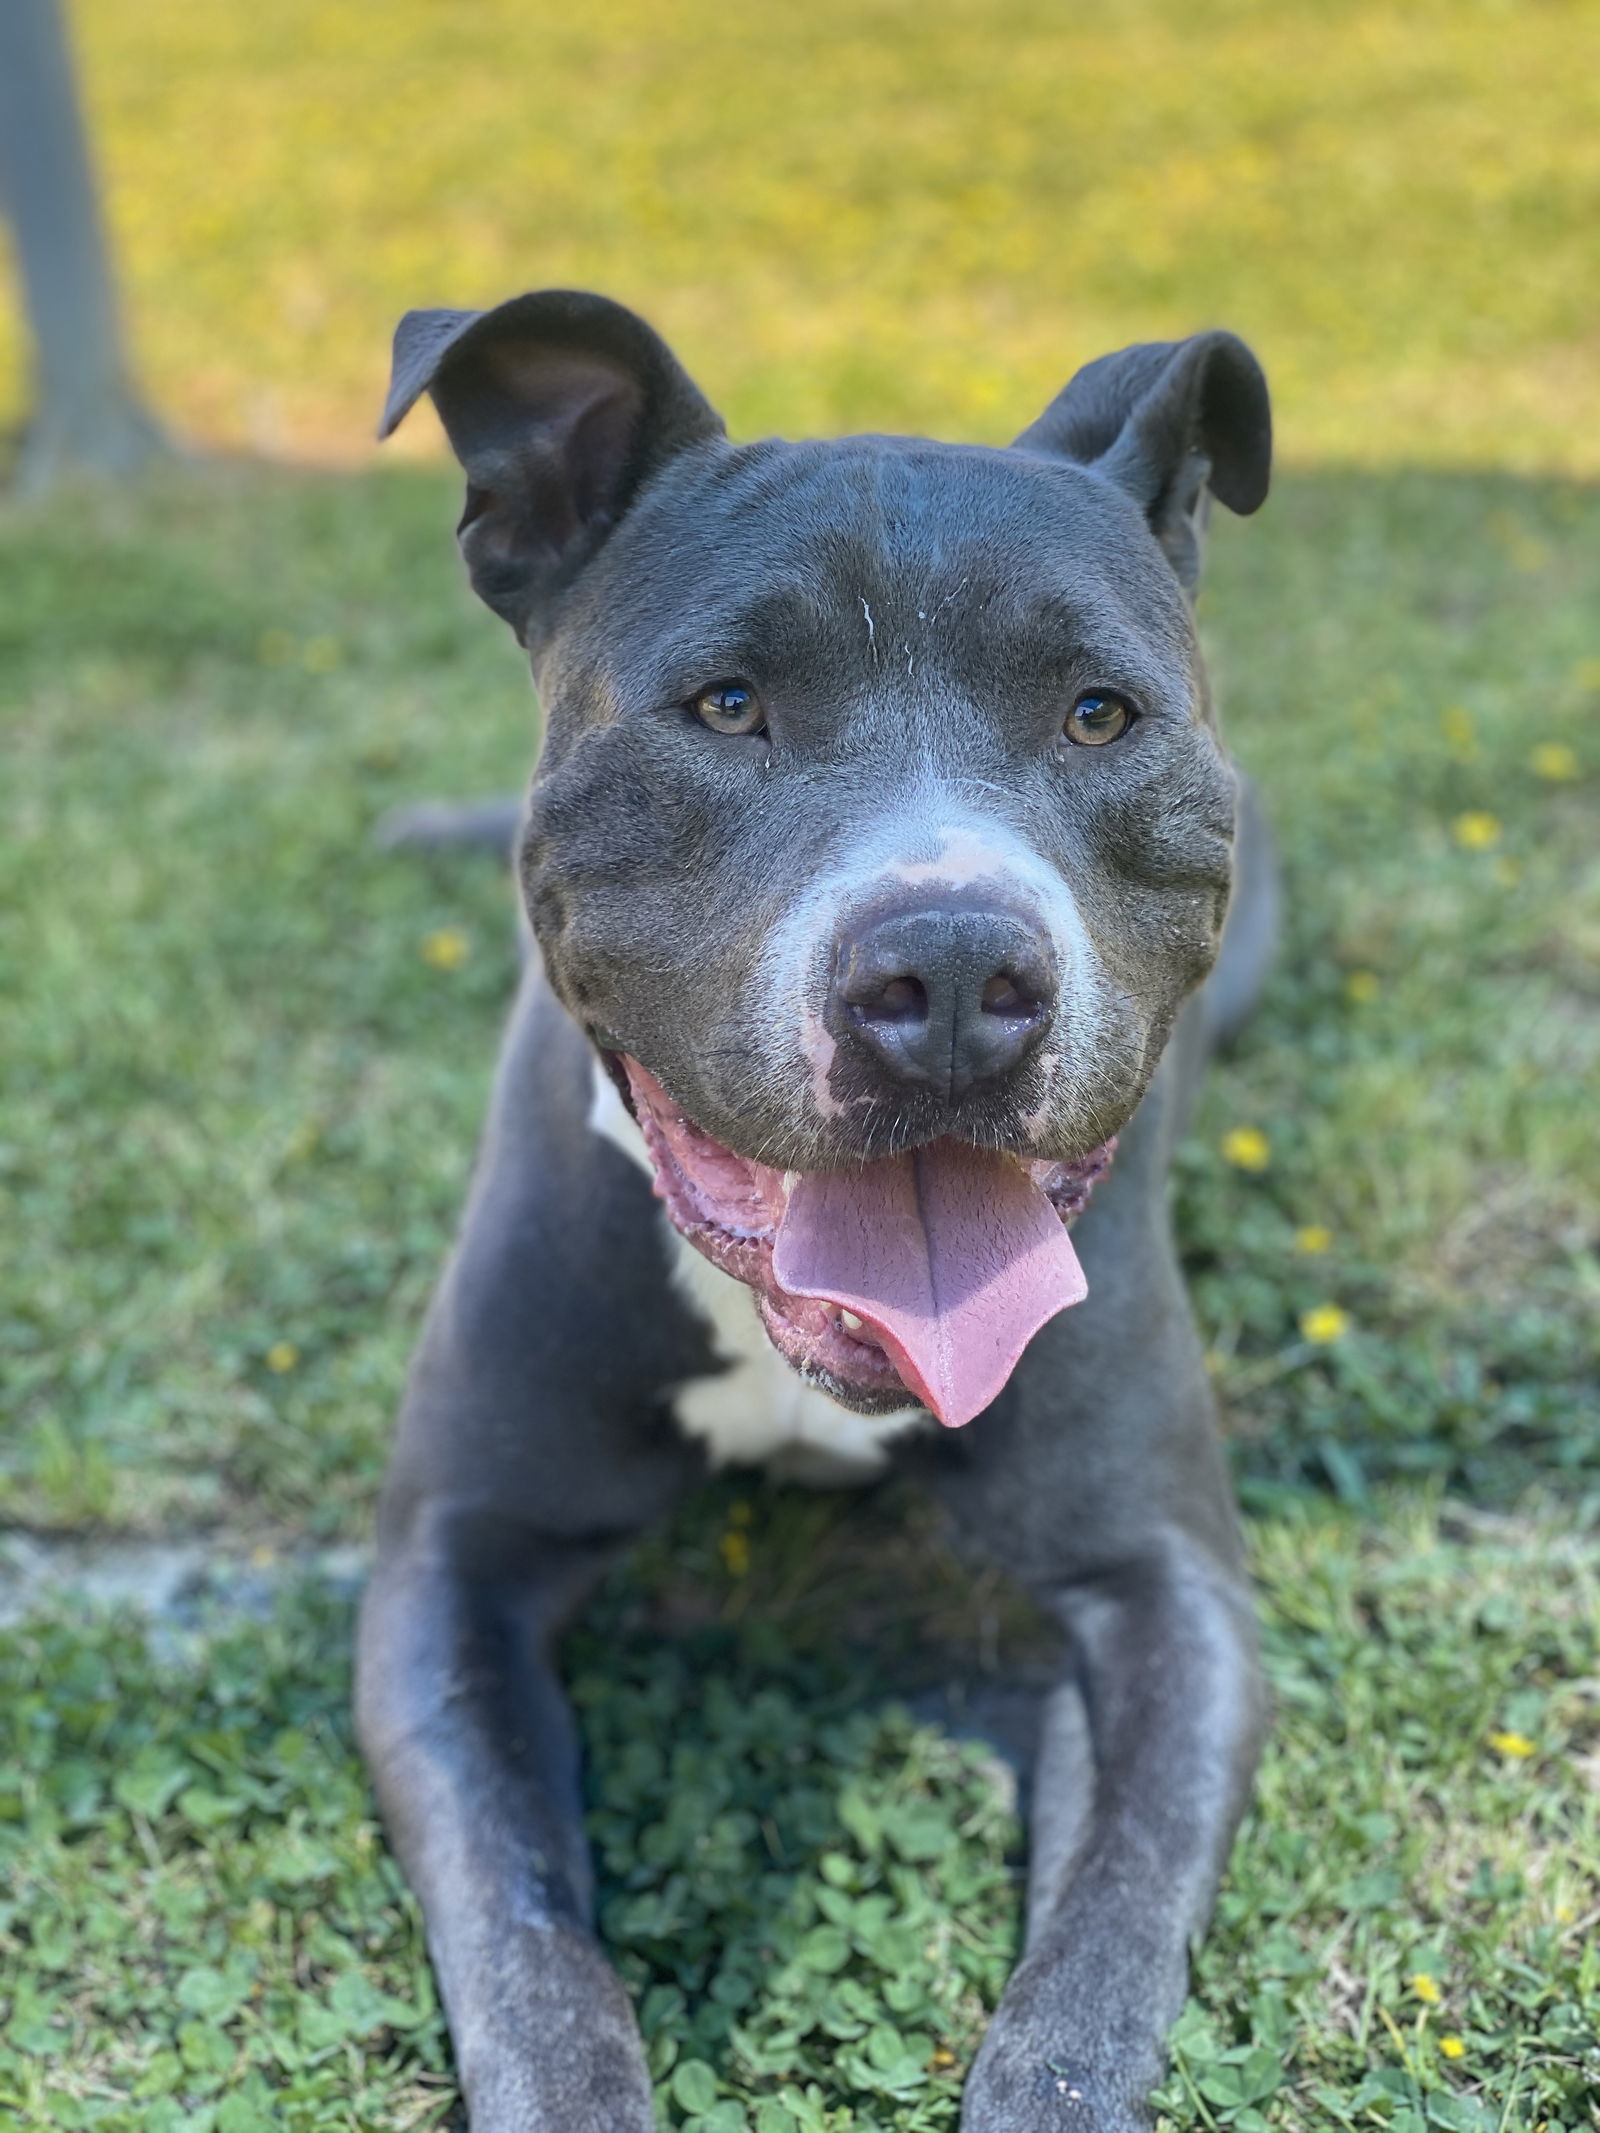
x,y
731,1208
1056,1174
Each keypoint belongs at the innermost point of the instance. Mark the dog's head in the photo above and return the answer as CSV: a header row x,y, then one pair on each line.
x,y
881,826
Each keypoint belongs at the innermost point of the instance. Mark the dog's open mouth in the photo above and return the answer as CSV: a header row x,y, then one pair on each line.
x,y
920,1276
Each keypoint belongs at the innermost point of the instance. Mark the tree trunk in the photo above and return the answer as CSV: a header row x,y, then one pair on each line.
x,y
87,414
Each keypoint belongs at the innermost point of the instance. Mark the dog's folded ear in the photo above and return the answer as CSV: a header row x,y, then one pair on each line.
x,y
559,406
1169,422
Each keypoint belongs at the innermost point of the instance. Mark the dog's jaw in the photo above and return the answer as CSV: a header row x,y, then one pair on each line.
x,y
733,1211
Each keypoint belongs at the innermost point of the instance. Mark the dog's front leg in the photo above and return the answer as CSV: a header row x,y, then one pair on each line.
x,y
474,1752
1146,1759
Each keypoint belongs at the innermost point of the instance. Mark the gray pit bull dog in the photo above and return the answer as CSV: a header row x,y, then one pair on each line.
x,y
877,862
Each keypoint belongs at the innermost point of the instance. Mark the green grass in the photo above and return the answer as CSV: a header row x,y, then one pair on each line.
x,y
814,1898
237,1112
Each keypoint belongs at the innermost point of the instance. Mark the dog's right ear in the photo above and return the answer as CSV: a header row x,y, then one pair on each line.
x,y
559,406
1171,423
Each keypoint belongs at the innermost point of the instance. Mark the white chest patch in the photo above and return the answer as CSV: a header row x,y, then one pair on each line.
x,y
756,1412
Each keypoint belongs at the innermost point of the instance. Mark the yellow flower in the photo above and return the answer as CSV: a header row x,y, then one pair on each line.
x,y
282,1356
1458,731
1476,831
1554,760
447,948
1452,2047
1323,1324
1425,1988
1515,1745
321,655
1313,1238
943,2056
1246,1148
1586,674
735,1550
1362,987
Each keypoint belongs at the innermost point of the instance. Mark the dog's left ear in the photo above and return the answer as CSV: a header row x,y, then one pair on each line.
x,y
1168,422
560,406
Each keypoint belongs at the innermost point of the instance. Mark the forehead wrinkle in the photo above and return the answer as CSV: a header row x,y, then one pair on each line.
x,y
744,618
1068,632
750,633
900,514
807,487
907,514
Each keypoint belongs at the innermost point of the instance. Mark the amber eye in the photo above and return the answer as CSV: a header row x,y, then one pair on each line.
x,y
1094,720
730,707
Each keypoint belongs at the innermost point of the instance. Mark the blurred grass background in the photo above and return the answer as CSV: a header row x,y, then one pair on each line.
x,y
245,1053
858,213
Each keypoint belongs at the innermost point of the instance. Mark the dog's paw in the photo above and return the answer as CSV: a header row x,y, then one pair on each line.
x,y
1049,2096
1026,2080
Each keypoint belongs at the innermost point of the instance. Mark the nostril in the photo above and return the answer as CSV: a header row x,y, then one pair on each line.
x,y
1012,999
895,1000
1008,998
945,997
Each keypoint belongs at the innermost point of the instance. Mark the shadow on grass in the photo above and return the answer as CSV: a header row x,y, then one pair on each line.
x,y
806,1843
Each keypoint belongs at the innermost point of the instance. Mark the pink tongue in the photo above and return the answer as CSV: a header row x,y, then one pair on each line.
x,y
952,1255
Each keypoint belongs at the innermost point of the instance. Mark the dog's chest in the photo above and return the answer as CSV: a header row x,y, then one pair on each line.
x,y
755,1412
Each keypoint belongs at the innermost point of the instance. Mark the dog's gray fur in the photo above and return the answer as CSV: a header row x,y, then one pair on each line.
x,y
917,618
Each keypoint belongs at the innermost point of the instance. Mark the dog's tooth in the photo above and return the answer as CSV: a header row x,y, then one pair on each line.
x,y
850,1322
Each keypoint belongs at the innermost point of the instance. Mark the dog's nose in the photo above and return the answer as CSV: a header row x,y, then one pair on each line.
x,y
946,997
